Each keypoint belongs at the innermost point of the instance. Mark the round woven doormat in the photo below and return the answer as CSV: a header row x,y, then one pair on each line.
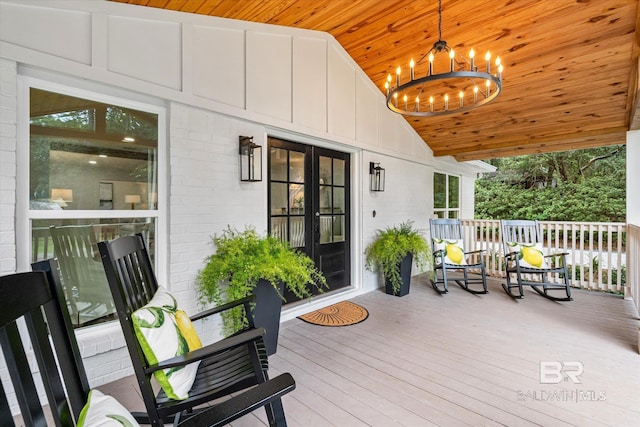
x,y
344,313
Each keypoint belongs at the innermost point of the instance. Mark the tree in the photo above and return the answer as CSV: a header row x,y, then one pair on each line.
x,y
580,185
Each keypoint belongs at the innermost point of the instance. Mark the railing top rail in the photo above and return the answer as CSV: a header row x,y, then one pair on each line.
x,y
497,221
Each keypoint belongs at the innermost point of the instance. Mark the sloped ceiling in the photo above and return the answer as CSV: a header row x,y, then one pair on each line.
x,y
571,67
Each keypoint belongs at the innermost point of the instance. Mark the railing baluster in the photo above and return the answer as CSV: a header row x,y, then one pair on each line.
x,y
569,237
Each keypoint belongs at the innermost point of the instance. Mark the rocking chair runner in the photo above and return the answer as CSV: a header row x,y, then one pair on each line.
x,y
226,367
446,235
522,245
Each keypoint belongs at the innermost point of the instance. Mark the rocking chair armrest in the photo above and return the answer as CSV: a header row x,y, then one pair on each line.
x,y
510,255
211,349
562,254
215,310
479,251
242,403
439,252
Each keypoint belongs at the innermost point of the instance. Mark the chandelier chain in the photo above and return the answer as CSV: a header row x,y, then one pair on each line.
x,y
439,19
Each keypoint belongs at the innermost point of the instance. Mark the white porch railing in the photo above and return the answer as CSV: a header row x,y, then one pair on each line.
x,y
596,260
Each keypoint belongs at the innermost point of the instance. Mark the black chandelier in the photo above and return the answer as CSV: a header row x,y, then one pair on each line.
x,y
462,88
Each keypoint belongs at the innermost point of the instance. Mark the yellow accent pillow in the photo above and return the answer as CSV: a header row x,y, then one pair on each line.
x,y
163,332
529,255
453,250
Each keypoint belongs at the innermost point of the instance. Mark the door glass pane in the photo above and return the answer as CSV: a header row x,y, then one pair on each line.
x,y
338,200
338,172
112,149
325,170
296,199
454,185
439,191
338,228
453,214
74,243
296,166
325,199
278,164
278,198
279,228
325,228
297,238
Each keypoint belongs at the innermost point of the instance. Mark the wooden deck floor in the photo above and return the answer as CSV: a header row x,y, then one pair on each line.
x,y
459,359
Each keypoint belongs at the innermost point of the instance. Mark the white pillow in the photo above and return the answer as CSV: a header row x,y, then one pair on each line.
x,y
529,255
453,250
104,411
163,332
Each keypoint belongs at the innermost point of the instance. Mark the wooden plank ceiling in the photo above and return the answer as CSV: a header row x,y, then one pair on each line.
x,y
571,66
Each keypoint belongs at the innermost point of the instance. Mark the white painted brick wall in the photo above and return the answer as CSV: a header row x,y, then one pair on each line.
x,y
8,91
8,102
206,195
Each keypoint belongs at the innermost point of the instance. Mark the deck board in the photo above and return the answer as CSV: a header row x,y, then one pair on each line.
x,y
461,359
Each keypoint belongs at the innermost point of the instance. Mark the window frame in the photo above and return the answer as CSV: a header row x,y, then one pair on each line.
x,y
447,210
25,216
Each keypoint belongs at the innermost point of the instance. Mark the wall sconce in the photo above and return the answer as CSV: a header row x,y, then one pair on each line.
x,y
62,196
376,177
133,199
250,160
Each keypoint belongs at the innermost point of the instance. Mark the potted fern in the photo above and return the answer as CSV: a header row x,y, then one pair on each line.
x,y
246,263
392,253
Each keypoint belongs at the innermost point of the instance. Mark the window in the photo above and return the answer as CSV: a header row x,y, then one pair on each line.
x,y
446,195
93,176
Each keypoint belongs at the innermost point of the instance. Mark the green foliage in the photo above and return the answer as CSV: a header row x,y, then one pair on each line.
x,y
391,245
581,185
241,259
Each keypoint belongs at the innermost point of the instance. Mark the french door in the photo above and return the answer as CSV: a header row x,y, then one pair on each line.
x,y
309,205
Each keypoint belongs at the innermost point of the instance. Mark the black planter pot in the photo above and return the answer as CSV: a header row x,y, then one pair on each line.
x,y
405,275
267,312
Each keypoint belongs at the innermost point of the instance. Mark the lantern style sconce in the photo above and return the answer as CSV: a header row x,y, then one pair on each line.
x,y
250,160
376,177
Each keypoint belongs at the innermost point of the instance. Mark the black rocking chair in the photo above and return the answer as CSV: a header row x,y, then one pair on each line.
x,y
516,234
231,365
37,297
451,230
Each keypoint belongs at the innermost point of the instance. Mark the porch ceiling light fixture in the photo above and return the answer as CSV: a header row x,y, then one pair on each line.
x,y
438,94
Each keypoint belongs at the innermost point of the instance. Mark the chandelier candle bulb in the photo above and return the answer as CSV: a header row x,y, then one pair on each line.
x,y
475,94
500,68
452,56
386,86
431,58
405,102
395,98
417,103
488,58
461,99
411,65
431,104
471,56
446,102
488,83
398,70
